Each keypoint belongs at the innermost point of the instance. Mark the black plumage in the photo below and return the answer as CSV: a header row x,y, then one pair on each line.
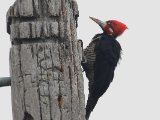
x,y
100,59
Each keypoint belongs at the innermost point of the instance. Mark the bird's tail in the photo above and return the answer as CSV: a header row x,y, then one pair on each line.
x,y
91,103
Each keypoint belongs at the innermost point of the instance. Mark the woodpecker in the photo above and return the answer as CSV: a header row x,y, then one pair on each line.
x,y
100,60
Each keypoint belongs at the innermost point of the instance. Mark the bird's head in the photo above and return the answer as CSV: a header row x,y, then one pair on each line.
x,y
111,27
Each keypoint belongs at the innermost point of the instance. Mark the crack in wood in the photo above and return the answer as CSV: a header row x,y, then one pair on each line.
x,y
27,116
60,101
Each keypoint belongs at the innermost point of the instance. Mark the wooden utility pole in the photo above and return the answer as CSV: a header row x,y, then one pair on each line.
x,y
45,60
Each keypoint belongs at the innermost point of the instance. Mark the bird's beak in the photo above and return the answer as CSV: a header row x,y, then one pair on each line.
x,y
99,22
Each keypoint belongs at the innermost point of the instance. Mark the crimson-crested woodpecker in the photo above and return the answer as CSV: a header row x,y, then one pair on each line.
x,y
100,60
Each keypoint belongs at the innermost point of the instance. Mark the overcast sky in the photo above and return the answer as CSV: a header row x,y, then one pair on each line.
x,y
135,91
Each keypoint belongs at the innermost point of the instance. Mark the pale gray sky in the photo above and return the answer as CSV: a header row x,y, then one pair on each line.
x,y
134,93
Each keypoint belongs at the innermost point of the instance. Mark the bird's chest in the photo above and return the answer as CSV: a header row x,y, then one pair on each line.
x,y
90,53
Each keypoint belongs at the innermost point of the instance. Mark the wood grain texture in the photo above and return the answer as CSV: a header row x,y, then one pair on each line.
x,y
45,60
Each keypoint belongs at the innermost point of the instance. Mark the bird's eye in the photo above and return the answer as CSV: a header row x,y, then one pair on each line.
x,y
108,22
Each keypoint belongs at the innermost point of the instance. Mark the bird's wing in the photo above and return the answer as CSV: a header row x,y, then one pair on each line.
x,y
106,61
107,51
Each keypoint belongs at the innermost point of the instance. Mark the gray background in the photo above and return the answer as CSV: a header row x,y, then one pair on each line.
x,y
134,93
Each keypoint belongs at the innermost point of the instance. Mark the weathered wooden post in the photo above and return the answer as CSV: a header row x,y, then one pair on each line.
x,y
45,56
